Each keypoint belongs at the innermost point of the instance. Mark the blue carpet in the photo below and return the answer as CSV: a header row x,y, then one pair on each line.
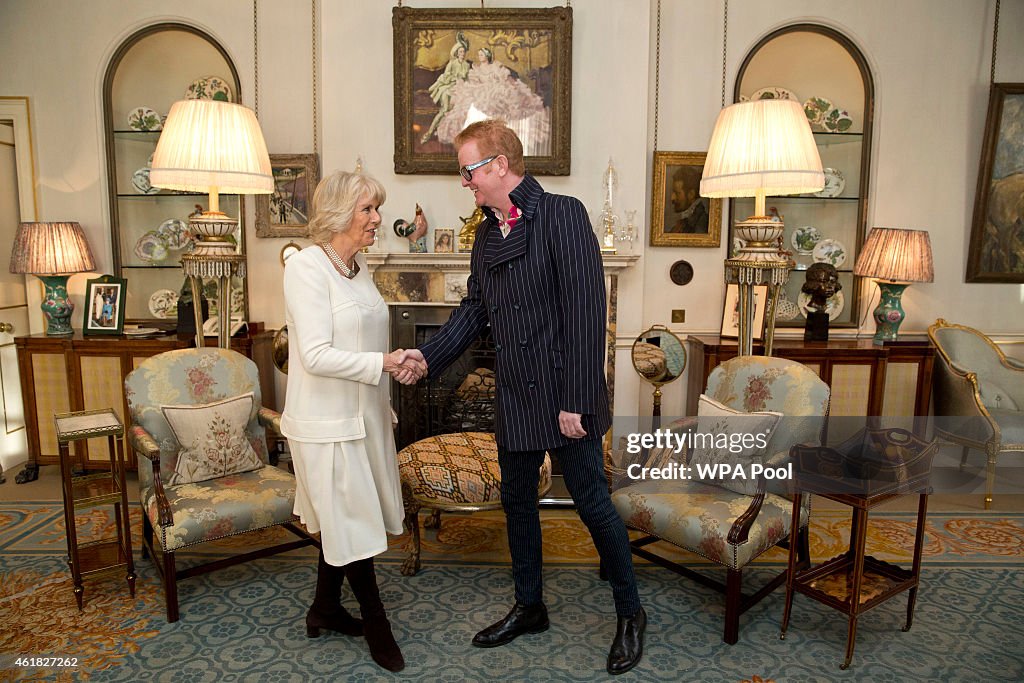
x,y
246,624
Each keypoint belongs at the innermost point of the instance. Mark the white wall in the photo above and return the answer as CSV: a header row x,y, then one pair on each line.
x,y
930,60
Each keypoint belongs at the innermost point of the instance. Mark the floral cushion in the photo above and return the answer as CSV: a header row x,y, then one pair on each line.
x,y
221,507
698,517
460,468
212,438
730,437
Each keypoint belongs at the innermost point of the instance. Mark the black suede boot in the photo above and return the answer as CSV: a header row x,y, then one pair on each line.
x,y
326,611
376,627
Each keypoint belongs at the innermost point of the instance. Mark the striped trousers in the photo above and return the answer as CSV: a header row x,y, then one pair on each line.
x,y
583,470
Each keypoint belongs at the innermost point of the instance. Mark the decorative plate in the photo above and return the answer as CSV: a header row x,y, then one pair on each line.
x,y
837,121
174,232
830,251
833,305
140,181
786,310
774,92
815,109
144,118
681,272
141,331
835,183
804,239
151,247
209,88
163,303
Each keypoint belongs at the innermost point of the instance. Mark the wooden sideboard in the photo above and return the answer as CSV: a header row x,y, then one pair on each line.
x,y
866,380
63,374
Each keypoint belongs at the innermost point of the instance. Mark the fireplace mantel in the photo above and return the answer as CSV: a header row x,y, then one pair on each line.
x,y
613,263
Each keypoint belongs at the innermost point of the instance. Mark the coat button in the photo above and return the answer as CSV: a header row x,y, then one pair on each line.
x,y
511,266
522,342
494,309
516,306
531,384
497,347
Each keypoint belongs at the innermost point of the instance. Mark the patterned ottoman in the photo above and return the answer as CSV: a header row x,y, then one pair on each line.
x,y
454,473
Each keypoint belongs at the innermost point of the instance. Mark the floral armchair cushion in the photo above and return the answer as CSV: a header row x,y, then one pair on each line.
x,y
212,438
189,377
460,468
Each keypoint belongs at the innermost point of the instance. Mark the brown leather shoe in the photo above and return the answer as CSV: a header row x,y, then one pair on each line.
x,y
520,620
628,646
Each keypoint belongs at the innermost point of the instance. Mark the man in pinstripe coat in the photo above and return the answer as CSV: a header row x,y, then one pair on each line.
x,y
536,277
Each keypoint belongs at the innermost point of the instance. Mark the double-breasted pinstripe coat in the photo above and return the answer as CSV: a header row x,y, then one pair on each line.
x,y
542,290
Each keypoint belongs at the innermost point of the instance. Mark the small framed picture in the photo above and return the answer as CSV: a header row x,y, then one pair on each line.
x,y
444,240
285,213
104,305
731,313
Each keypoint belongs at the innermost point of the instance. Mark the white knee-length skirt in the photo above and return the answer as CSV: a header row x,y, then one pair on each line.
x,y
351,499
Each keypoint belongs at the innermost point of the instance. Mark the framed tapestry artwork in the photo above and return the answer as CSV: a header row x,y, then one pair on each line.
x,y
285,213
456,66
996,251
104,305
731,313
680,217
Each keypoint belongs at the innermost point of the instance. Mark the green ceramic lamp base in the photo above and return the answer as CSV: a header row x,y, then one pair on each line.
x,y
889,312
57,307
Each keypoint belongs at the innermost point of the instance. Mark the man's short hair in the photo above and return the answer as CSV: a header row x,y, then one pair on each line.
x,y
493,137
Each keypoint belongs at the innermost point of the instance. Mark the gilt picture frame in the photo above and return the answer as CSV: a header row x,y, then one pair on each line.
x,y
996,251
454,66
680,217
285,213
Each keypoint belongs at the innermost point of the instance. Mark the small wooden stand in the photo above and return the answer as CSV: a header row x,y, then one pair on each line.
x,y
95,558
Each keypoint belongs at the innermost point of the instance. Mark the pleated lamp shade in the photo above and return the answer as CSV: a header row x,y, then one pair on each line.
x,y
211,144
57,248
896,255
759,148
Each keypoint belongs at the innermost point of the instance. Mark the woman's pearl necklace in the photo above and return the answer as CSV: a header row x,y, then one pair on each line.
x,y
338,262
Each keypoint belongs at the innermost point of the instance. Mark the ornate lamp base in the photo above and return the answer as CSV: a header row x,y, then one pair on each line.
x,y
889,312
57,307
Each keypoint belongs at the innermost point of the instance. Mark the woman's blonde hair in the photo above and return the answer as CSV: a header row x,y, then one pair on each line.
x,y
335,199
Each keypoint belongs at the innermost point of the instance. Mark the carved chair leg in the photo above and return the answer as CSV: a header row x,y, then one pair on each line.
x,y
433,521
990,475
170,586
733,597
147,535
411,565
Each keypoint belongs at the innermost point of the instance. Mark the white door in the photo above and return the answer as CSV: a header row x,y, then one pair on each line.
x,y
17,203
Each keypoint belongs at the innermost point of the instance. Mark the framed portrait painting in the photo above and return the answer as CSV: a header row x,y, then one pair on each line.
x,y
444,240
285,213
996,251
680,217
731,312
456,66
104,305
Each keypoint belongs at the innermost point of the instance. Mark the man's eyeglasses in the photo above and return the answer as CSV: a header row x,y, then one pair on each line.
x,y
467,170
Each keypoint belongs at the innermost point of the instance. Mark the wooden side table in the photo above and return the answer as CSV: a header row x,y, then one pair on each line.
x,y
854,582
95,559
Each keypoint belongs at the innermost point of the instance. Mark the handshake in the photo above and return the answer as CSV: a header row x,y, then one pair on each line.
x,y
406,365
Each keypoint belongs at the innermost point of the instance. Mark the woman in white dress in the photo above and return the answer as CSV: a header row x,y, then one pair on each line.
x,y
337,414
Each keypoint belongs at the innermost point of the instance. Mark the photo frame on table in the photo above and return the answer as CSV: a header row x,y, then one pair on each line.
x,y
453,66
444,240
104,305
285,213
996,252
680,217
731,311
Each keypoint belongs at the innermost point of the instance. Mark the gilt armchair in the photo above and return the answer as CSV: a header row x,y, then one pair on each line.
x,y
731,522
199,430
979,396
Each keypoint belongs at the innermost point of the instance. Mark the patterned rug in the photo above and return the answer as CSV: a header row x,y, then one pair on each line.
x,y
246,623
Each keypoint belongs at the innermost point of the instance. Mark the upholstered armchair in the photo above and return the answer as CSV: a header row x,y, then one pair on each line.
x,y
199,430
731,521
979,395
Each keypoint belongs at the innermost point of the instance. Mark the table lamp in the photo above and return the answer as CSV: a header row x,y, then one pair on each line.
x,y
895,257
760,148
212,146
52,252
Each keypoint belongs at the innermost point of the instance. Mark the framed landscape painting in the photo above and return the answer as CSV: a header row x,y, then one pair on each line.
x,y
456,66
